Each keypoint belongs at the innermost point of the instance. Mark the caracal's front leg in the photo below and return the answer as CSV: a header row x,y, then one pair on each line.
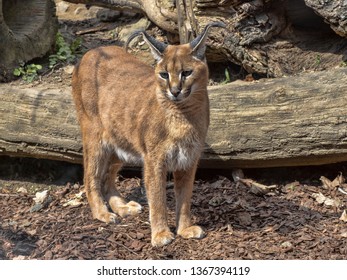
x,y
184,181
155,183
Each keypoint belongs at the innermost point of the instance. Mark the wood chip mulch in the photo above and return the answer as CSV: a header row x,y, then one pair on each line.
x,y
289,222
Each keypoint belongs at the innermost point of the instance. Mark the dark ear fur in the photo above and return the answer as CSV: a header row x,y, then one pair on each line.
x,y
198,44
157,48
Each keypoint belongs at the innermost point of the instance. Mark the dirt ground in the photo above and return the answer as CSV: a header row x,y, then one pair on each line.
x,y
301,217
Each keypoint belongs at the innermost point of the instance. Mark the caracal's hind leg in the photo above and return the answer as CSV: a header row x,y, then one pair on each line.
x,y
96,162
116,202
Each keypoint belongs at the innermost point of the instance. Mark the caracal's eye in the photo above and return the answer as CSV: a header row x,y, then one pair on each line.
x,y
186,73
164,75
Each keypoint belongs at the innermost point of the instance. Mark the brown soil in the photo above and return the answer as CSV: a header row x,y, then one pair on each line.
x,y
287,223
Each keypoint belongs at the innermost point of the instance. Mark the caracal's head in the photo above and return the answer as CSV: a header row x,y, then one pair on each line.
x,y
180,73
181,70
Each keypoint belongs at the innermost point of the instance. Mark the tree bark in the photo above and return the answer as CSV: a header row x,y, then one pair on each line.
x,y
161,12
274,122
334,12
267,38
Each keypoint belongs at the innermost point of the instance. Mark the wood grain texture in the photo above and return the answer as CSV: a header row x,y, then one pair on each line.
x,y
39,122
288,121
278,122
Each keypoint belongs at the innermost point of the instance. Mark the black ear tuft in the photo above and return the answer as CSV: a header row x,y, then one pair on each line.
x,y
198,44
157,48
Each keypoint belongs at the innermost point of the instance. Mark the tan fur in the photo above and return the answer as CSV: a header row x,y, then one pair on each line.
x,y
126,112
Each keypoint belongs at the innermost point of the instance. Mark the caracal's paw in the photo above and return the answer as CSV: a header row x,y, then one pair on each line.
x,y
134,207
192,232
106,217
162,238
130,209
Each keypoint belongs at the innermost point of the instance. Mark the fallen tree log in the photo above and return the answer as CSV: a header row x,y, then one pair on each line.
x,y
287,121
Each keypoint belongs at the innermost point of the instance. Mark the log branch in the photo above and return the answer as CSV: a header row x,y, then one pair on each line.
x,y
162,13
254,186
135,6
275,122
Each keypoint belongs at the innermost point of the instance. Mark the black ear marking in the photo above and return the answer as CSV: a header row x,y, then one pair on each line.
x,y
198,44
157,48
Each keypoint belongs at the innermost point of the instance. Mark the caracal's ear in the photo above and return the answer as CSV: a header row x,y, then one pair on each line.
x,y
157,48
198,44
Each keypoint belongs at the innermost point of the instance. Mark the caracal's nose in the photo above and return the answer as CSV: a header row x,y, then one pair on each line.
x,y
175,91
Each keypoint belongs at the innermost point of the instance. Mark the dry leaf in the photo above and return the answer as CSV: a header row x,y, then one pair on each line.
x,y
322,199
100,229
40,197
338,181
20,257
332,202
319,197
287,245
76,201
344,216
22,190
332,185
291,186
79,195
73,202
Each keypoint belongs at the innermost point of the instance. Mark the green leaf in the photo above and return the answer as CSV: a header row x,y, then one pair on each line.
x,y
17,72
227,76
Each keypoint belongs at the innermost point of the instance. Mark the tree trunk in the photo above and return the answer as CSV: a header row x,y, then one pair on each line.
x,y
269,38
27,31
274,122
333,12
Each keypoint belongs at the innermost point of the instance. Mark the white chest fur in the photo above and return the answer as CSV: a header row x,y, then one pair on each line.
x,y
128,157
181,157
